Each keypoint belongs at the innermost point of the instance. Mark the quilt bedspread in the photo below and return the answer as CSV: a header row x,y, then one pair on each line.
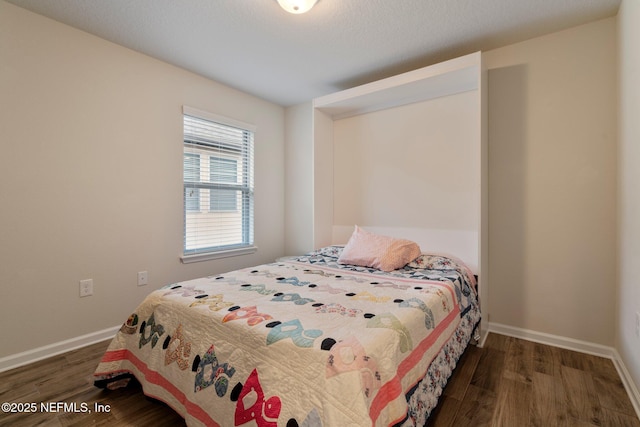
x,y
305,342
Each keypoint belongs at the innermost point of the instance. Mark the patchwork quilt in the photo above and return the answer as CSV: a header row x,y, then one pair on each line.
x,y
303,342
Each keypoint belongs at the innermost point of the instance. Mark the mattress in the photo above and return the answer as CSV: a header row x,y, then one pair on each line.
x,y
302,342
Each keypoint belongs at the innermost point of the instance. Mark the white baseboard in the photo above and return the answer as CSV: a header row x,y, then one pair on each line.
x,y
30,356
629,385
576,345
553,340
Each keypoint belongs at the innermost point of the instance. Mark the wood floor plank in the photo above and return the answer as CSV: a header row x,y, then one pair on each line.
x,y
477,408
612,395
88,353
582,400
548,398
518,363
20,393
497,342
488,373
617,419
445,413
36,419
512,404
543,359
64,384
600,366
33,372
573,359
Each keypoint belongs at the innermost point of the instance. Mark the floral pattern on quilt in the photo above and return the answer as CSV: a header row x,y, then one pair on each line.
x,y
425,397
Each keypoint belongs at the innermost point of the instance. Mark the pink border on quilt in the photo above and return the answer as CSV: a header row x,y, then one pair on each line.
x,y
393,388
157,379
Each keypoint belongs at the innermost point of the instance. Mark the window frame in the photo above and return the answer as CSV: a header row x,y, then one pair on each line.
x,y
244,161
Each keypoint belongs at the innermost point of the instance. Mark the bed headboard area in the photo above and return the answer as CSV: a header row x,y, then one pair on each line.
x,y
459,243
406,157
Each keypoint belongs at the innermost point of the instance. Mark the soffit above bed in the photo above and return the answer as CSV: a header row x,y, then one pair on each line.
x,y
257,47
446,78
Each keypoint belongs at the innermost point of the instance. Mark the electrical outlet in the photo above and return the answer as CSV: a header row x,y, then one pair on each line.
x,y
143,278
638,324
86,288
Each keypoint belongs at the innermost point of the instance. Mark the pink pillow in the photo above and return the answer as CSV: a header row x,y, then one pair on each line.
x,y
381,252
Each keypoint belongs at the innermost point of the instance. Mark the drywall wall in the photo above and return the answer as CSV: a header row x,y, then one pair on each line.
x,y
299,179
412,166
90,178
552,183
628,343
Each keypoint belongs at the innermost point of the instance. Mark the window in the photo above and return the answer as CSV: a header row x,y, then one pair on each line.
x,y
223,171
218,186
191,176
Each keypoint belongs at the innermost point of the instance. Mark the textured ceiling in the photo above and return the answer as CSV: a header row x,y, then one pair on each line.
x,y
255,46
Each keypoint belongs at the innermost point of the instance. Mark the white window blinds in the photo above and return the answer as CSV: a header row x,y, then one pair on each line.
x,y
218,185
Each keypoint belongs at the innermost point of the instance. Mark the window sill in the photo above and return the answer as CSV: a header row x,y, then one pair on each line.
x,y
187,259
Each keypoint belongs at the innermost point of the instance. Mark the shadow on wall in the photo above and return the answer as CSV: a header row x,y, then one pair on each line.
x,y
507,194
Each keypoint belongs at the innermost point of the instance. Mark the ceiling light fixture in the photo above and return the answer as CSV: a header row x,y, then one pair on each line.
x,y
297,6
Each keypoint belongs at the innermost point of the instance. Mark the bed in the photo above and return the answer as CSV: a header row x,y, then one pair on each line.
x,y
305,341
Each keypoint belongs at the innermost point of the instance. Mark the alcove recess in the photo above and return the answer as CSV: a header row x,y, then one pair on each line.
x,y
406,156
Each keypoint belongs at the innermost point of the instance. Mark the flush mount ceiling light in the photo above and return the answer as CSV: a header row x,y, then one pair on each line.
x,y
297,6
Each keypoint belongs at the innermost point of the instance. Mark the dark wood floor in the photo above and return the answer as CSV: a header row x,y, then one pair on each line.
x,y
509,382
512,382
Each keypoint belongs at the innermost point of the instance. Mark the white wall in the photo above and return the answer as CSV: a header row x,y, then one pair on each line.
x,y
299,179
552,183
628,343
90,178
411,166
